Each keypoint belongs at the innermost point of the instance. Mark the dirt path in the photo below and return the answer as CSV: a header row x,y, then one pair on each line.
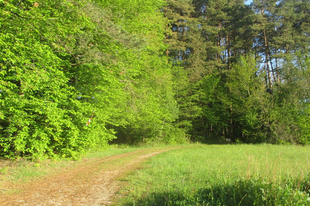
x,y
93,183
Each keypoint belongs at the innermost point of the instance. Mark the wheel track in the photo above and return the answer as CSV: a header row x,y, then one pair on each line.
x,y
93,183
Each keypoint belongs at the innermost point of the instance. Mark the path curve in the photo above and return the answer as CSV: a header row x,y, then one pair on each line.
x,y
91,184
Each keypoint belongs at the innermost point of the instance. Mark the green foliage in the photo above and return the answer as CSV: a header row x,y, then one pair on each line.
x,y
255,53
38,107
62,60
304,125
291,102
149,106
247,100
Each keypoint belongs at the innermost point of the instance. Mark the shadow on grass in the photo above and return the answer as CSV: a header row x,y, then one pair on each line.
x,y
249,192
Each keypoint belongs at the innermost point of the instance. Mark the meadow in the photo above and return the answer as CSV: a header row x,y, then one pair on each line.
x,y
222,175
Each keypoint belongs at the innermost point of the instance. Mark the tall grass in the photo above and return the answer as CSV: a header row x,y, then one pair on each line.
x,y
223,175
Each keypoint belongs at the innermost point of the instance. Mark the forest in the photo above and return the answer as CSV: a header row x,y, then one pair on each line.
x,y
165,71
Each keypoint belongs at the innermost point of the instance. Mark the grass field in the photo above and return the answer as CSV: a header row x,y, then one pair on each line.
x,y
222,175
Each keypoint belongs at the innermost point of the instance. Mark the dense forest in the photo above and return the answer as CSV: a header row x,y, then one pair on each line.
x,y
164,71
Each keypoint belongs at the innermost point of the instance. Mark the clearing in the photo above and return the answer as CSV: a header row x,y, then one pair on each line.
x,y
181,175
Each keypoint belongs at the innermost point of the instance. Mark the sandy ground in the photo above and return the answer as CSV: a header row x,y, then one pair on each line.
x,y
94,183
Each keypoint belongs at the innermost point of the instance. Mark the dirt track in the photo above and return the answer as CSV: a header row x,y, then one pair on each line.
x,y
93,183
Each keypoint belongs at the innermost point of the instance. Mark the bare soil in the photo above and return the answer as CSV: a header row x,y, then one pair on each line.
x,y
91,183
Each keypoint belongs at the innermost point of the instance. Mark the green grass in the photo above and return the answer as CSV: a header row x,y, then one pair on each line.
x,y
222,175
23,170
113,150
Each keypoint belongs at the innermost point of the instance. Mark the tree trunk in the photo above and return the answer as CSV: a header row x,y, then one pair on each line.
x,y
267,59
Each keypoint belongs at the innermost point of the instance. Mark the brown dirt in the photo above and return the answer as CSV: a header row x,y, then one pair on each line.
x,y
92,183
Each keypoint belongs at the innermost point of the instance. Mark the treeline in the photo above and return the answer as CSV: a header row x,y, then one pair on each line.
x,y
247,69
151,70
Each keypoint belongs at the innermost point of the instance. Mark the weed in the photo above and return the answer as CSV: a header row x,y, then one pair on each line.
x,y
4,170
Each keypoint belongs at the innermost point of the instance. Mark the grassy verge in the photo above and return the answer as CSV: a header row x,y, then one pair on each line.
x,y
222,175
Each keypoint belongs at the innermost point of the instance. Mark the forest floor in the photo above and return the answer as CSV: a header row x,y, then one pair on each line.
x,y
90,182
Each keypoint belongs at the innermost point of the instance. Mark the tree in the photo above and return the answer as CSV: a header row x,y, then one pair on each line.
x,y
149,107
39,109
249,100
